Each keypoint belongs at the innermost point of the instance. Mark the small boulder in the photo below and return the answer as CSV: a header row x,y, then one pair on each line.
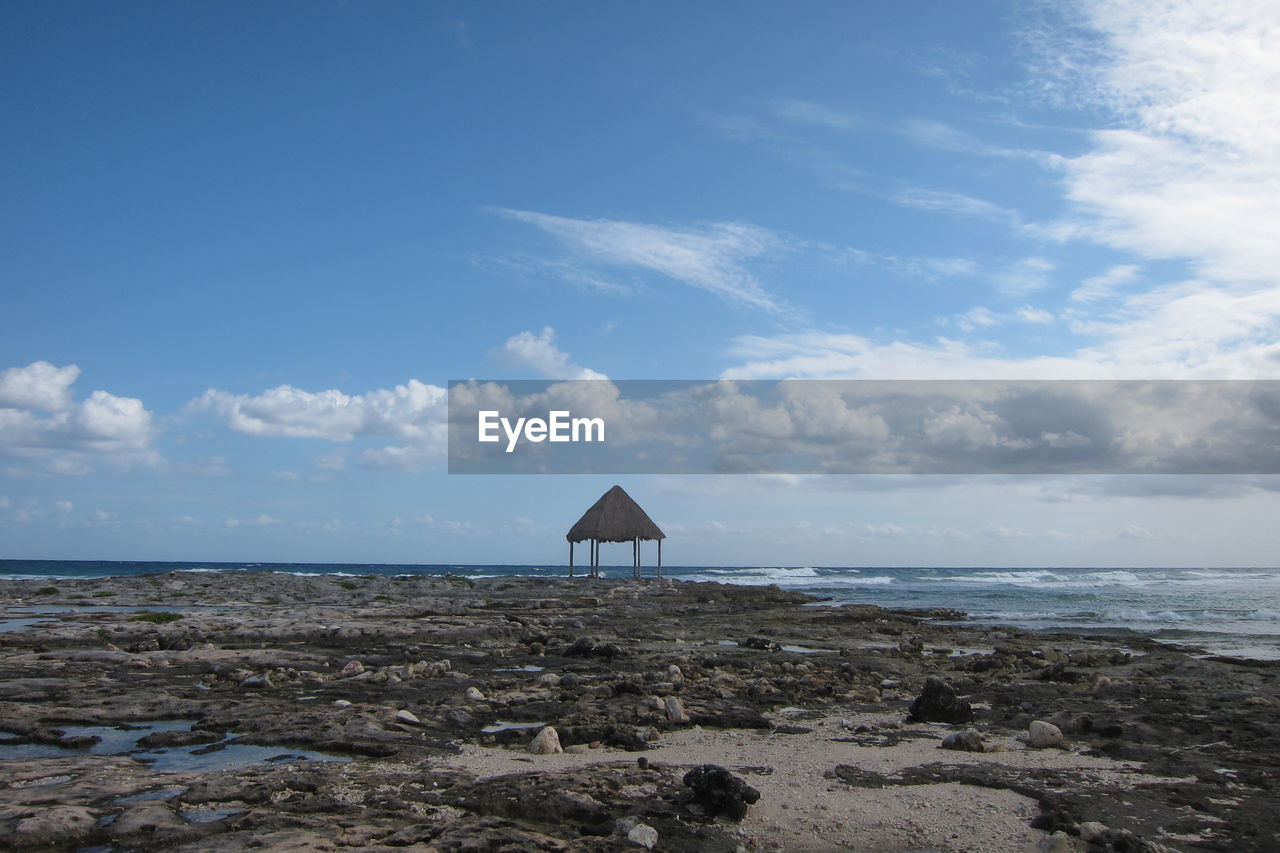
x,y
473,694
937,703
1041,735
644,835
969,740
407,717
675,710
352,668
546,742
718,791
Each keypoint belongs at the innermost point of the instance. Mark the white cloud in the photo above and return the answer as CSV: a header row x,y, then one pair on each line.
x,y
1024,276
1189,170
709,257
955,203
807,112
413,410
540,354
1105,285
1029,314
976,317
40,420
39,385
261,521
1195,170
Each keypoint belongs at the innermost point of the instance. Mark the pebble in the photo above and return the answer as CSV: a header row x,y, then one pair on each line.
x,y
407,717
473,694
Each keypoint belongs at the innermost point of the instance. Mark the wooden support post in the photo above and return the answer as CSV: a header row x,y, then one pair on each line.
x,y
659,559
635,558
570,559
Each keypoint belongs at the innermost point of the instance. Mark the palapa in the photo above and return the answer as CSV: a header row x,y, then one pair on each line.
x,y
616,517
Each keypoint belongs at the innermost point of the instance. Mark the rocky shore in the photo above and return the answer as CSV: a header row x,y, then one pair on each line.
x,y
204,711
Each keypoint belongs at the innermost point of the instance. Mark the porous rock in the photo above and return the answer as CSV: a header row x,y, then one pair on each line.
x,y
938,703
718,791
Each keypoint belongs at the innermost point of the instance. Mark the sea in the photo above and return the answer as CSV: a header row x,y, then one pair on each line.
x,y
1233,612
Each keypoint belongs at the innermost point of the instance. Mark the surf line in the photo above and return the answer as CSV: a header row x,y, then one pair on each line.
x,y
559,425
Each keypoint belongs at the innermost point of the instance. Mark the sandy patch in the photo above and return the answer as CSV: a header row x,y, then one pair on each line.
x,y
802,810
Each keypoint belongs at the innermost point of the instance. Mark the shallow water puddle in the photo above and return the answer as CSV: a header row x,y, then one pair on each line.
x,y
502,726
146,796
204,814
201,758
14,625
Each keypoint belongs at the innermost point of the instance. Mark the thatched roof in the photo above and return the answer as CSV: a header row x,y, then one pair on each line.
x,y
614,518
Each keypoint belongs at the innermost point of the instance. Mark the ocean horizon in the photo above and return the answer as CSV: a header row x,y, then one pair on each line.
x,y
1229,611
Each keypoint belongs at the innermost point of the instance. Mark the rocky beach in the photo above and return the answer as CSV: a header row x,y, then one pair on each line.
x,y
213,711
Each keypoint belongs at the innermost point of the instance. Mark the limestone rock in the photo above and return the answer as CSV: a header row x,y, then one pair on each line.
x,y
644,835
675,710
1041,735
546,742
969,740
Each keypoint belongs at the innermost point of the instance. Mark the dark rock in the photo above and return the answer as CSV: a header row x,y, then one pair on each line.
x,y
764,644
938,704
586,647
158,740
718,791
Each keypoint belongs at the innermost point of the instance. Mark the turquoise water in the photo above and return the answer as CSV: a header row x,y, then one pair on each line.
x,y
1229,611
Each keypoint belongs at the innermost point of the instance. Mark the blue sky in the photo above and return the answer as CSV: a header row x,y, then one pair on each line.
x,y
245,247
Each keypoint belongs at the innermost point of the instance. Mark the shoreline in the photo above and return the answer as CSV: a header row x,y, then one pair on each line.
x,y
354,668
1222,629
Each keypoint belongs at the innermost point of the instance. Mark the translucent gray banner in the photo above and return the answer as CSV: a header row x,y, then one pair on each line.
x,y
809,426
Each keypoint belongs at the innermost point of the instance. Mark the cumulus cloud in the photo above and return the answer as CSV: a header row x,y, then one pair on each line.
x,y
41,420
884,427
540,354
709,257
413,410
415,413
39,385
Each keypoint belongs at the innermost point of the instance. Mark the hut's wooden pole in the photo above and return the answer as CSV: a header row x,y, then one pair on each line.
x,y
635,558
570,559
659,559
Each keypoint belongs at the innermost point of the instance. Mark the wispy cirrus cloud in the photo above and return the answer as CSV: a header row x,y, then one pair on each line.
x,y
711,257
1194,169
958,204
1188,169
808,112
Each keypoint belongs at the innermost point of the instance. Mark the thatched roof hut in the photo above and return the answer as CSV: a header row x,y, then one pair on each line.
x,y
615,518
